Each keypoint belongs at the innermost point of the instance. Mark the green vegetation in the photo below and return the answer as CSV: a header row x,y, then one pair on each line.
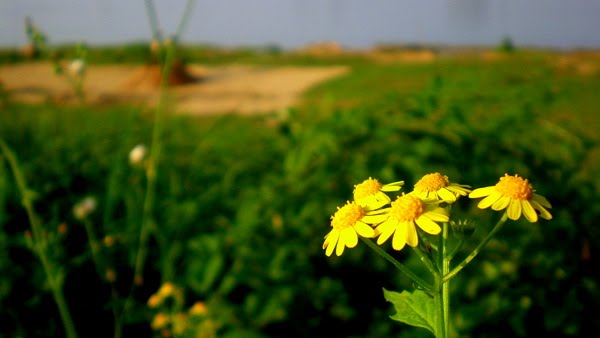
x,y
242,204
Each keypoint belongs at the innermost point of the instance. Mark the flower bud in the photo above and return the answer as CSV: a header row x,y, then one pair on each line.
x,y
137,154
463,228
77,67
84,208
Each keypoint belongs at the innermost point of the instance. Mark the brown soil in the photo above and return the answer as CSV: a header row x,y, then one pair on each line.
x,y
197,89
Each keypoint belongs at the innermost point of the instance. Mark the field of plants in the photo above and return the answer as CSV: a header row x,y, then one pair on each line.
x,y
122,221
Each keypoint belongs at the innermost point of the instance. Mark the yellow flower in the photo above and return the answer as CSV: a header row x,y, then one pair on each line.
x,y
198,309
370,193
166,290
516,195
159,321
348,222
154,301
437,186
180,324
406,211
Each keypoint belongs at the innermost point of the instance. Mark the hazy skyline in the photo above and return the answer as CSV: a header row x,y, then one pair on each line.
x,y
294,23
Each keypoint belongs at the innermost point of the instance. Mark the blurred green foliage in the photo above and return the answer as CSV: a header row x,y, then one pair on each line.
x,y
243,204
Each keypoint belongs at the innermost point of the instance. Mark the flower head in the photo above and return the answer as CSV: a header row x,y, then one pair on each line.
x,y
137,154
406,211
159,321
77,67
84,208
348,222
198,309
437,186
370,193
516,195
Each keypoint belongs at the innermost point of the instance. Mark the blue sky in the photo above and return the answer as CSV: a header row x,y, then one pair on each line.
x,y
294,23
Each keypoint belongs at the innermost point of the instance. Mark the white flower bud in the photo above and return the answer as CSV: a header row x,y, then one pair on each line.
x,y
137,154
84,208
77,67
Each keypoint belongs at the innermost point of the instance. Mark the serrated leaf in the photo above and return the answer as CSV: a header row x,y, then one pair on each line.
x,y
416,308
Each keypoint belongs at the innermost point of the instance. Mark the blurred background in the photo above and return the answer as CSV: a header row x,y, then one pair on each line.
x,y
295,23
169,168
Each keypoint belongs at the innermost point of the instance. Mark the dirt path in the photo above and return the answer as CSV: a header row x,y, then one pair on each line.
x,y
215,90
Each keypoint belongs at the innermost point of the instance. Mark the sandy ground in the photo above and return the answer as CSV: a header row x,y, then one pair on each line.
x,y
214,90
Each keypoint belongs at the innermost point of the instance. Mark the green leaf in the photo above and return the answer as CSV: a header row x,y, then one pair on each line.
x,y
416,308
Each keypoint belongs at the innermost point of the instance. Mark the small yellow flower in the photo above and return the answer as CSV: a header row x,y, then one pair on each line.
x,y
154,301
370,193
437,186
166,290
348,222
516,195
180,323
159,321
198,309
406,211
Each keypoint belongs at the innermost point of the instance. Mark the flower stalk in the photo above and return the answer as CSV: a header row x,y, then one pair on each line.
x,y
40,243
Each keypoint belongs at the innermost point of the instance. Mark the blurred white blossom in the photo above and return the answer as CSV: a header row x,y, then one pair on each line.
x,y
84,208
77,67
137,154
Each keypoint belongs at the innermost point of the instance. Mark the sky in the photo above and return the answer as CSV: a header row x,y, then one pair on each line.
x,y
563,24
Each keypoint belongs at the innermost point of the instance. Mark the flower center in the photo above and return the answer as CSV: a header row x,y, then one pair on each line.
x,y
347,216
406,208
368,187
515,187
432,182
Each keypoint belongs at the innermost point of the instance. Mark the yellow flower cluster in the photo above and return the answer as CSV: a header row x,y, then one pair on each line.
x,y
171,321
166,291
373,214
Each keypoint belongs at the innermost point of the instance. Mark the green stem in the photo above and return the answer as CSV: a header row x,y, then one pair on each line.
x,y
445,284
153,19
442,296
95,248
187,12
473,254
425,259
39,242
456,249
93,244
151,175
152,169
423,284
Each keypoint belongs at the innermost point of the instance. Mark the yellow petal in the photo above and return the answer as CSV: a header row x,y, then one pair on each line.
x,y
349,237
481,192
459,189
514,209
428,225
542,201
339,248
332,241
446,195
543,212
374,219
364,229
528,211
385,230
378,212
411,235
501,204
326,240
395,186
491,199
437,214
370,202
399,239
